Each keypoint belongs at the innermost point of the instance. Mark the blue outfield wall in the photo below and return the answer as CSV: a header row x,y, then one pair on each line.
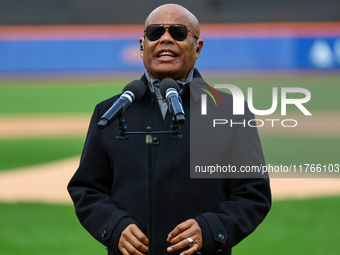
x,y
26,56
219,53
267,53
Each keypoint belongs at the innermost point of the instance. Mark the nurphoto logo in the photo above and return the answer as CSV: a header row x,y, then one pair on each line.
x,y
239,99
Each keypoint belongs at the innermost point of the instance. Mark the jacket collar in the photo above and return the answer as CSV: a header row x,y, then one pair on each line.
x,y
193,87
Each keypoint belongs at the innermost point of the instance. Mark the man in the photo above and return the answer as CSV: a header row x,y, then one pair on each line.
x,y
207,216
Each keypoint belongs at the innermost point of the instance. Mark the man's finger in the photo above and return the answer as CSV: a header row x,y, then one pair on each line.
x,y
178,246
190,251
131,249
124,251
179,229
140,236
193,231
183,236
133,241
136,244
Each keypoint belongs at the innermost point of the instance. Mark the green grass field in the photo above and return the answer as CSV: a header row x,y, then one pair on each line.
x,y
31,151
43,229
296,227
302,227
292,227
324,89
79,96
278,150
53,98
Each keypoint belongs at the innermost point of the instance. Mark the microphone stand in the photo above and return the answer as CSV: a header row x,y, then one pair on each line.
x,y
122,132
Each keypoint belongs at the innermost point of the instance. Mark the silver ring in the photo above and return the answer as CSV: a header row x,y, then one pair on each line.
x,y
191,242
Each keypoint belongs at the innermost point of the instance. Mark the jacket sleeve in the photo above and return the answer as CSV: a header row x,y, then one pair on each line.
x,y
90,189
249,199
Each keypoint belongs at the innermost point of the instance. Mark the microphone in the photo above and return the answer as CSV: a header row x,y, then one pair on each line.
x,y
169,90
132,92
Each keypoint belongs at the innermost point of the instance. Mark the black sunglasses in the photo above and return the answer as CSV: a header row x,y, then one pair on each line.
x,y
178,32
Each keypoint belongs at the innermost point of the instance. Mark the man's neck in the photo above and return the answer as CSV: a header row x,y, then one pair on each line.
x,y
182,81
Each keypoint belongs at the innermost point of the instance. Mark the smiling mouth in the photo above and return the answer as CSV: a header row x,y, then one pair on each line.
x,y
166,54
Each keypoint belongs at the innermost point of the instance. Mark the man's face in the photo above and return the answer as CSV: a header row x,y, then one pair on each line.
x,y
167,57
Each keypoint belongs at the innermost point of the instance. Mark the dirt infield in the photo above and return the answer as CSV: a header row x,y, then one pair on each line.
x,y
41,183
14,126
47,182
17,126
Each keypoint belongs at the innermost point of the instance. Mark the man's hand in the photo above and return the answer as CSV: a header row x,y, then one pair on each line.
x,y
133,241
179,237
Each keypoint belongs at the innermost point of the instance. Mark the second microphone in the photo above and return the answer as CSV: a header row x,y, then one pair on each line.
x,y
169,90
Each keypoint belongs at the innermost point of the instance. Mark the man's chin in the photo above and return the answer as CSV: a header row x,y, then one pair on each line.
x,y
168,71
174,74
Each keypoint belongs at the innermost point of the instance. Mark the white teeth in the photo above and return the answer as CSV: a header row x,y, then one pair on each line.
x,y
166,53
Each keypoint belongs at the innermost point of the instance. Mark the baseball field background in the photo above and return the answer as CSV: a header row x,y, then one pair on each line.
x,y
51,78
293,226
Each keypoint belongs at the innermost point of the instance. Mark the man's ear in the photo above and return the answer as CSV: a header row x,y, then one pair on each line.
x,y
141,43
199,47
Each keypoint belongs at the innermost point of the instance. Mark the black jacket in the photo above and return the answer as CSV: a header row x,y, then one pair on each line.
x,y
109,189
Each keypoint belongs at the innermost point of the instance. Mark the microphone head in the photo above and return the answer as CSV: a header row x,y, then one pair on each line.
x,y
137,88
166,84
